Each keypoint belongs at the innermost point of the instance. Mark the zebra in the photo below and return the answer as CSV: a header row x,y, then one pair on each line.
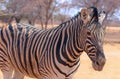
x,y
53,53
102,15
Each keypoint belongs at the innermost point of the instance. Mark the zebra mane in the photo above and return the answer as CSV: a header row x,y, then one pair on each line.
x,y
76,16
71,19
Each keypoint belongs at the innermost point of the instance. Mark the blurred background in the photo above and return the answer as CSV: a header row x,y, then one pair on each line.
x,y
50,13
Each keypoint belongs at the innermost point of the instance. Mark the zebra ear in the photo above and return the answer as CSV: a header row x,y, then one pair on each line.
x,y
84,15
102,15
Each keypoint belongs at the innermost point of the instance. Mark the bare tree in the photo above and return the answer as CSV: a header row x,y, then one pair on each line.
x,y
40,10
14,7
46,9
21,8
30,11
110,6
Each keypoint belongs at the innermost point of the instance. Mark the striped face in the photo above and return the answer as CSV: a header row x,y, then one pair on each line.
x,y
93,35
94,46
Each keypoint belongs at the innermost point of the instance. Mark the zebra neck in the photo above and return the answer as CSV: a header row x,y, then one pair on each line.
x,y
74,44
68,44
70,48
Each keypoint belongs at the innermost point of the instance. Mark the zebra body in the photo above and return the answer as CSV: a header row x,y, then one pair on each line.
x,y
30,51
43,54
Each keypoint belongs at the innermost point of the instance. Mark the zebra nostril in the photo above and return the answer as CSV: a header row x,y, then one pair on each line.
x,y
97,63
101,61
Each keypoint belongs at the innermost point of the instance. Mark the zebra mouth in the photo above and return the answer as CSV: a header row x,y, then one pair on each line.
x,y
99,63
97,66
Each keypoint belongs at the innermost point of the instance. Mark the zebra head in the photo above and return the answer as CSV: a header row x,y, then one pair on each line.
x,y
92,40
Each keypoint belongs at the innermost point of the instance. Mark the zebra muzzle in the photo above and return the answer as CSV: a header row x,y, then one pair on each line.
x,y
99,63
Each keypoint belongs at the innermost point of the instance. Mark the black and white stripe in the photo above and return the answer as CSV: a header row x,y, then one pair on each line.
x,y
46,54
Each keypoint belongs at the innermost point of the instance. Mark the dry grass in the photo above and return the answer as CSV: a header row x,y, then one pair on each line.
x,y
112,34
112,52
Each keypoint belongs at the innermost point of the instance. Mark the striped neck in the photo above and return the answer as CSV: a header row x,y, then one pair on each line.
x,y
74,44
69,41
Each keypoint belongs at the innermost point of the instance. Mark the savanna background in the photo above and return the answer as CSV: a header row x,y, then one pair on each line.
x,y
46,14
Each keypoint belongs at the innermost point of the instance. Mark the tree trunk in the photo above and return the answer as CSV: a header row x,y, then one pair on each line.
x,y
18,19
10,20
46,24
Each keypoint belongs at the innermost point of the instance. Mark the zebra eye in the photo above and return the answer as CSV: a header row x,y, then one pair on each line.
x,y
89,33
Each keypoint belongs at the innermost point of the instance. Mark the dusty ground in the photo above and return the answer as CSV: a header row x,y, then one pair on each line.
x,y
112,52
111,69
